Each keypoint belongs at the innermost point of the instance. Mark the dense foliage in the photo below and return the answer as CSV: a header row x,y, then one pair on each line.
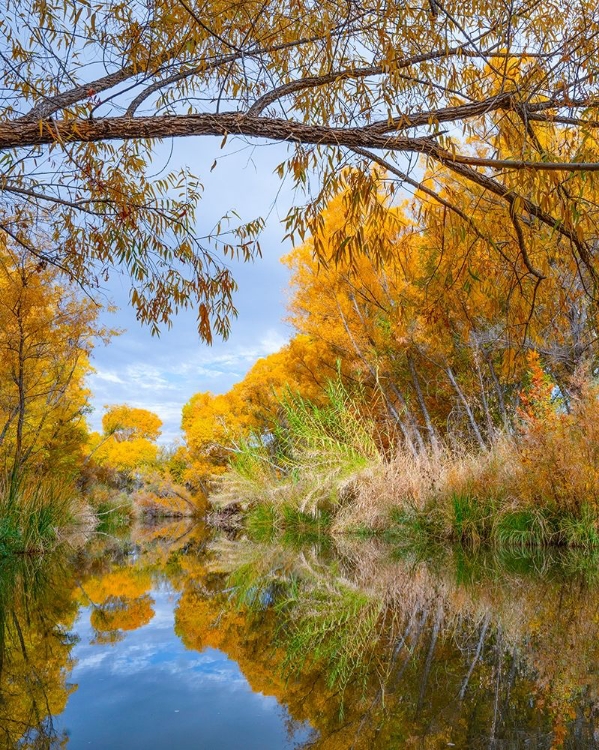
x,y
498,99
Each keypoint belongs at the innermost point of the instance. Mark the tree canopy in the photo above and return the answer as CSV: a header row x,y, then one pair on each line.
x,y
47,333
499,99
129,437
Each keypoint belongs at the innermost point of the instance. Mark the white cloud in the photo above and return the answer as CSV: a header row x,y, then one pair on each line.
x,y
106,375
273,341
148,377
162,373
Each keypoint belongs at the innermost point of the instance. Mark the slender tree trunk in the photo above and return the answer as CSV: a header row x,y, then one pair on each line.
x,y
391,410
389,403
466,405
427,420
429,660
483,396
21,405
409,416
479,648
496,711
499,391
7,425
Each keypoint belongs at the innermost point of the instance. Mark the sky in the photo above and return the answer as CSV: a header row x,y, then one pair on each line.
x,y
161,374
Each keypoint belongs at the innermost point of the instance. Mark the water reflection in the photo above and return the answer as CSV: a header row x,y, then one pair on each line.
x,y
90,657
446,649
171,638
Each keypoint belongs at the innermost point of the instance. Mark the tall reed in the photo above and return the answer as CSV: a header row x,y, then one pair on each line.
x,y
32,514
310,458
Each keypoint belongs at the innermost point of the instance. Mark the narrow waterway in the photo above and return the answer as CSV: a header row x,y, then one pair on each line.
x,y
173,637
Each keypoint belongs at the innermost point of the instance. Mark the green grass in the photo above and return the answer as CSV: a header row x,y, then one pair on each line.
x,y
33,514
413,525
261,523
524,528
471,519
308,460
470,522
113,516
267,522
580,531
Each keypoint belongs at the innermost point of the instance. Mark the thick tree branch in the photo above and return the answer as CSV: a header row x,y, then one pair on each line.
x,y
53,104
15,135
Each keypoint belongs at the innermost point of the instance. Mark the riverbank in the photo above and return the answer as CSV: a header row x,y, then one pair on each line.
x,y
537,485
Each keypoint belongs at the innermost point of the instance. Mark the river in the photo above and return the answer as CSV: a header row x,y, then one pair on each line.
x,y
175,636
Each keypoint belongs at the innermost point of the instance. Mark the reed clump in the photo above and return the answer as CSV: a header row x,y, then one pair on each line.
x,y
535,486
309,462
34,515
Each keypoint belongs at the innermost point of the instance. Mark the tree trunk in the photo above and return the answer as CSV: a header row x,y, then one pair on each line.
x,y
466,405
427,419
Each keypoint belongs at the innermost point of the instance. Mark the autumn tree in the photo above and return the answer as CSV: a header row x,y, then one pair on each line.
x,y
214,425
442,329
37,613
119,600
47,332
127,423
463,90
128,442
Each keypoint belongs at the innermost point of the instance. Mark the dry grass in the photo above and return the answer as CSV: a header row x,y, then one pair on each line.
x,y
429,480
161,497
559,456
537,487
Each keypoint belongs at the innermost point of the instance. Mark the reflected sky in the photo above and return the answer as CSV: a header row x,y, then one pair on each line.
x,y
149,691
228,642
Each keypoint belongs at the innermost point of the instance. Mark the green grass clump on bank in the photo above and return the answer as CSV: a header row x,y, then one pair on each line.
x,y
32,515
471,523
267,522
113,516
308,461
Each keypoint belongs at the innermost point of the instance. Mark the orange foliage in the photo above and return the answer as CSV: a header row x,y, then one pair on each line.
x,y
559,449
214,425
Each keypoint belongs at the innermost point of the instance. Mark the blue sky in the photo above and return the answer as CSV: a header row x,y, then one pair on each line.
x,y
161,374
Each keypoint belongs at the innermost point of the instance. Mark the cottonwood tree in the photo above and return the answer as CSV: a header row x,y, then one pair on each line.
x,y
128,442
214,426
470,88
47,332
431,339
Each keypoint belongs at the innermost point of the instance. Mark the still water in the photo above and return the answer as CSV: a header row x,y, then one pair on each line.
x,y
172,637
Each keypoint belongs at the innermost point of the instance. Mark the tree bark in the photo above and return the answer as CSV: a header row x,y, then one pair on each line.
x,y
468,410
427,419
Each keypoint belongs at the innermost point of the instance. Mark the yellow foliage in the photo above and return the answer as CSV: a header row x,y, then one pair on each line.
x,y
125,582
128,442
127,455
47,332
128,423
118,613
214,425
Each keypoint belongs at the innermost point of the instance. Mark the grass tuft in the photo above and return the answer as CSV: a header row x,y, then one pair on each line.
x,y
33,514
